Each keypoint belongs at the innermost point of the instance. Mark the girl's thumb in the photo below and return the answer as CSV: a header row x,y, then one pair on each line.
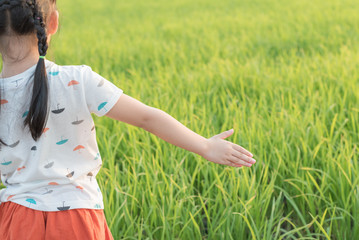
x,y
225,134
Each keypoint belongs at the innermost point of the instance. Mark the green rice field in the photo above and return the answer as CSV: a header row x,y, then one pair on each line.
x,y
283,74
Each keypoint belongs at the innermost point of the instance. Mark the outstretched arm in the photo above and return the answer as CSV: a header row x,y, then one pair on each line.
x,y
153,120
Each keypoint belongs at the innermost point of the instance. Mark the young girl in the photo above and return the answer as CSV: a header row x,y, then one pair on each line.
x,y
49,157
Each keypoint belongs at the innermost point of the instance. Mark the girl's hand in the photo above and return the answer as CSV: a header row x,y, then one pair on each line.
x,y
226,153
215,149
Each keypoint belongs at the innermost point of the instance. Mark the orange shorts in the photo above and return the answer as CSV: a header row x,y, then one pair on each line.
x,y
19,222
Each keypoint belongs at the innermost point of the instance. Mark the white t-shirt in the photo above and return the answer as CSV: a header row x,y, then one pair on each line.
x,y
58,172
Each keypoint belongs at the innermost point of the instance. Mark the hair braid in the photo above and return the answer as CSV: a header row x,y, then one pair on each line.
x,y
24,17
38,111
40,31
7,4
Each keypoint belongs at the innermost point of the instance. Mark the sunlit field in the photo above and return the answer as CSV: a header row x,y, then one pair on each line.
x,y
283,74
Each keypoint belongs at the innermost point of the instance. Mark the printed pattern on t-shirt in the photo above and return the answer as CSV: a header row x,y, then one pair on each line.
x,y
58,172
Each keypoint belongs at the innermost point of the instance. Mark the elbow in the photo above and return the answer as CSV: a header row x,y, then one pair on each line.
x,y
148,118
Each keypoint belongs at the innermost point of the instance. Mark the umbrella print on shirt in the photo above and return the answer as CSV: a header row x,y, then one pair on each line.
x,y
8,182
93,128
13,145
100,84
16,81
97,156
62,141
31,201
53,183
19,169
54,73
63,208
49,164
6,163
102,106
45,130
78,148
33,150
70,174
77,122
8,107
58,110
25,114
11,196
97,206
47,191
81,188
73,83
90,174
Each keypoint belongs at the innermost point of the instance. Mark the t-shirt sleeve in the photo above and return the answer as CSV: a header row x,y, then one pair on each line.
x,y
100,94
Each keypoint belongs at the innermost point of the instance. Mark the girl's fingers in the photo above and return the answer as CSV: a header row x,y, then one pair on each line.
x,y
234,165
243,157
242,150
225,134
236,161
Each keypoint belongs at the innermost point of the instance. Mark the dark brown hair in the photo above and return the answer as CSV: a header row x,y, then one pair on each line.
x,y
26,17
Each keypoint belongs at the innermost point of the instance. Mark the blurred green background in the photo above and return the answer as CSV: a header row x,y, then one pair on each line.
x,y
283,74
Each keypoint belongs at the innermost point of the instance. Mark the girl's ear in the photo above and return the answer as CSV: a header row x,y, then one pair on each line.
x,y
53,23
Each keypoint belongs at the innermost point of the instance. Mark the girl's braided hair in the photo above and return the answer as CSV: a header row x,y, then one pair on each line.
x,y
26,17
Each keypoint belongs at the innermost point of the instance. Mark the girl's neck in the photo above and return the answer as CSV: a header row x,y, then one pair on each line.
x,y
18,58
12,68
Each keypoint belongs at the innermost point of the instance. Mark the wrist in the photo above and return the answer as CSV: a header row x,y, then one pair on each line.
x,y
205,148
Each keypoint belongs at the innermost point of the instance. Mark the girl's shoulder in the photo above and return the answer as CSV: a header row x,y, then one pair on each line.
x,y
54,69
70,75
